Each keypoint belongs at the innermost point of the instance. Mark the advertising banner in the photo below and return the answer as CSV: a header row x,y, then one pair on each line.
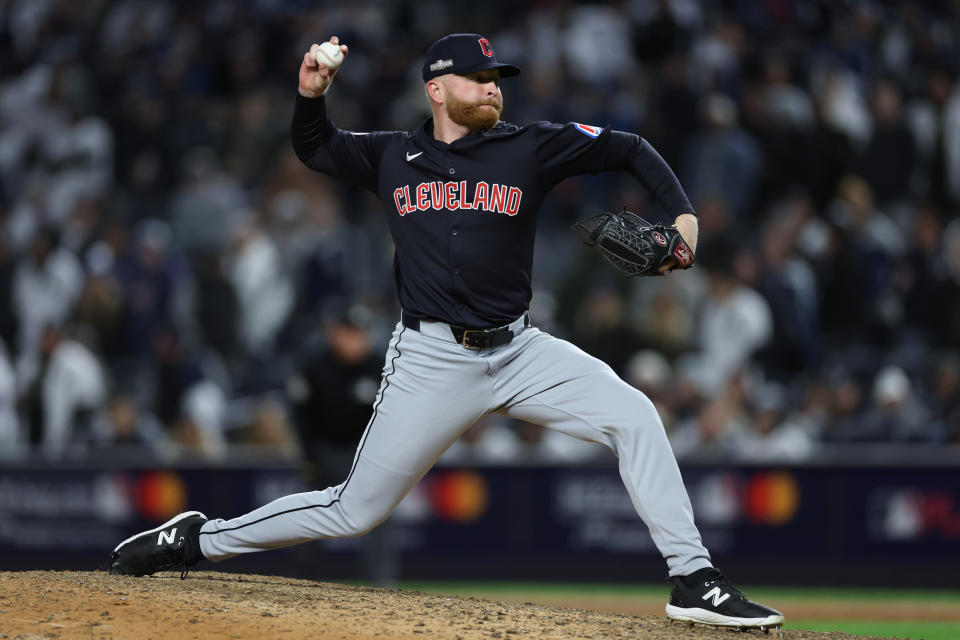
x,y
535,523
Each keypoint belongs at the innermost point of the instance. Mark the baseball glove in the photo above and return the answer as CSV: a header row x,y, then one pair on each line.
x,y
633,245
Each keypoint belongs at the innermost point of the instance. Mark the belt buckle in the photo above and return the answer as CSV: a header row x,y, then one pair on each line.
x,y
463,339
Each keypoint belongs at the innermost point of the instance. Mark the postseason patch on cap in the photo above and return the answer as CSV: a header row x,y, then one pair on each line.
x,y
441,64
588,129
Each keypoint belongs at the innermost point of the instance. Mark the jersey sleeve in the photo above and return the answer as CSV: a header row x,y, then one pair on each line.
x,y
565,150
346,155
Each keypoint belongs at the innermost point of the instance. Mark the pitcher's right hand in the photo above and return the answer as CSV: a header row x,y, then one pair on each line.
x,y
315,78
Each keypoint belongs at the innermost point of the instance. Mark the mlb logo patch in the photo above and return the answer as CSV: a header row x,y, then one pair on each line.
x,y
588,129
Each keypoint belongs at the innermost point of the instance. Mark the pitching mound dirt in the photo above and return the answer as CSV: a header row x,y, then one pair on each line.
x,y
47,604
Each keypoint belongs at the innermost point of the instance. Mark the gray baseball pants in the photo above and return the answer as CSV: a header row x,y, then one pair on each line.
x,y
432,390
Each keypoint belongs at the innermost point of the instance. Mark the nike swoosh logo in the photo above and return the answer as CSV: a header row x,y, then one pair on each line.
x,y
411,156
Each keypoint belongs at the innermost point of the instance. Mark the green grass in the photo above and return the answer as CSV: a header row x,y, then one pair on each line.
x,y
883,628
859,594
927,630
799,593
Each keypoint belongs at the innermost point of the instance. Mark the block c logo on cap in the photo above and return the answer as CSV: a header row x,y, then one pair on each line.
x,y
485,47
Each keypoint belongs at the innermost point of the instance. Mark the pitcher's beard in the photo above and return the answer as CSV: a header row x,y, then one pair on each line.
x,y
473,116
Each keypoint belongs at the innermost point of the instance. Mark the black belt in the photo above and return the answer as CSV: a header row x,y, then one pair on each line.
x,y
473,338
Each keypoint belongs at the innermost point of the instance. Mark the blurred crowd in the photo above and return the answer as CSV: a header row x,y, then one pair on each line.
x,y
172,278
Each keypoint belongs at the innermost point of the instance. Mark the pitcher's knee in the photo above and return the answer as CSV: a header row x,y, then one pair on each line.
x,y
363,517
635,404
367,524
638,415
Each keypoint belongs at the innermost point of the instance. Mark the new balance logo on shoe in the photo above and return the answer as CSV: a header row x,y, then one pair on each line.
x,y
168,537
707,597
175,547
717,595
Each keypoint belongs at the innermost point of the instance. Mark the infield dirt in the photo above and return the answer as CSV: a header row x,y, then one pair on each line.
x,y
94,605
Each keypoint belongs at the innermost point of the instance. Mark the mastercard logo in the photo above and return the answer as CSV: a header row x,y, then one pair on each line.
x,y
771,498
458,496
160,495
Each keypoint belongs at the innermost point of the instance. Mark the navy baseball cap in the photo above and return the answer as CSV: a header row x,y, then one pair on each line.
x,y
463,53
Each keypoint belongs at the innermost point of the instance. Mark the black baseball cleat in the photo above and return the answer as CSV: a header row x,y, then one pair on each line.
x,y
173,545
707,597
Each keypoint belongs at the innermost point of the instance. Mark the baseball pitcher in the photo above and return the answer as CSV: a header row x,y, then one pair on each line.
x,y
461,195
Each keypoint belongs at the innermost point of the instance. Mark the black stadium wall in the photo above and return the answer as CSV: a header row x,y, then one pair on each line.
x,y
829,524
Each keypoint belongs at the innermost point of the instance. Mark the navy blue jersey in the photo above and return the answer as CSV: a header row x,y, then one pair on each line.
x,y
463,215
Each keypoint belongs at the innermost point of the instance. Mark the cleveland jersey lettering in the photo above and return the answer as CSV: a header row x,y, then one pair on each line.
x,y
455,196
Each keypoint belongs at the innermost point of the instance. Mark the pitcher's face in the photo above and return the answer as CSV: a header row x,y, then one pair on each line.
x,y
474,100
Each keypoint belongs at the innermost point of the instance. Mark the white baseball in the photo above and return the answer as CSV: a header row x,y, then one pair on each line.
x,y
330,55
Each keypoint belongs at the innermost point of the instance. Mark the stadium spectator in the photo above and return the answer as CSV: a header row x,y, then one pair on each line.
x,y
122,426
216,306
332,391
149,280
770,434
270,432
100,306
946,308
45,285
715,430
897,415
11,440
602,331
8,316
185,396
650,371
62,393
934,118
735,321
888,160
264,292
723,161
789,286
331,394
945,397
844,420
